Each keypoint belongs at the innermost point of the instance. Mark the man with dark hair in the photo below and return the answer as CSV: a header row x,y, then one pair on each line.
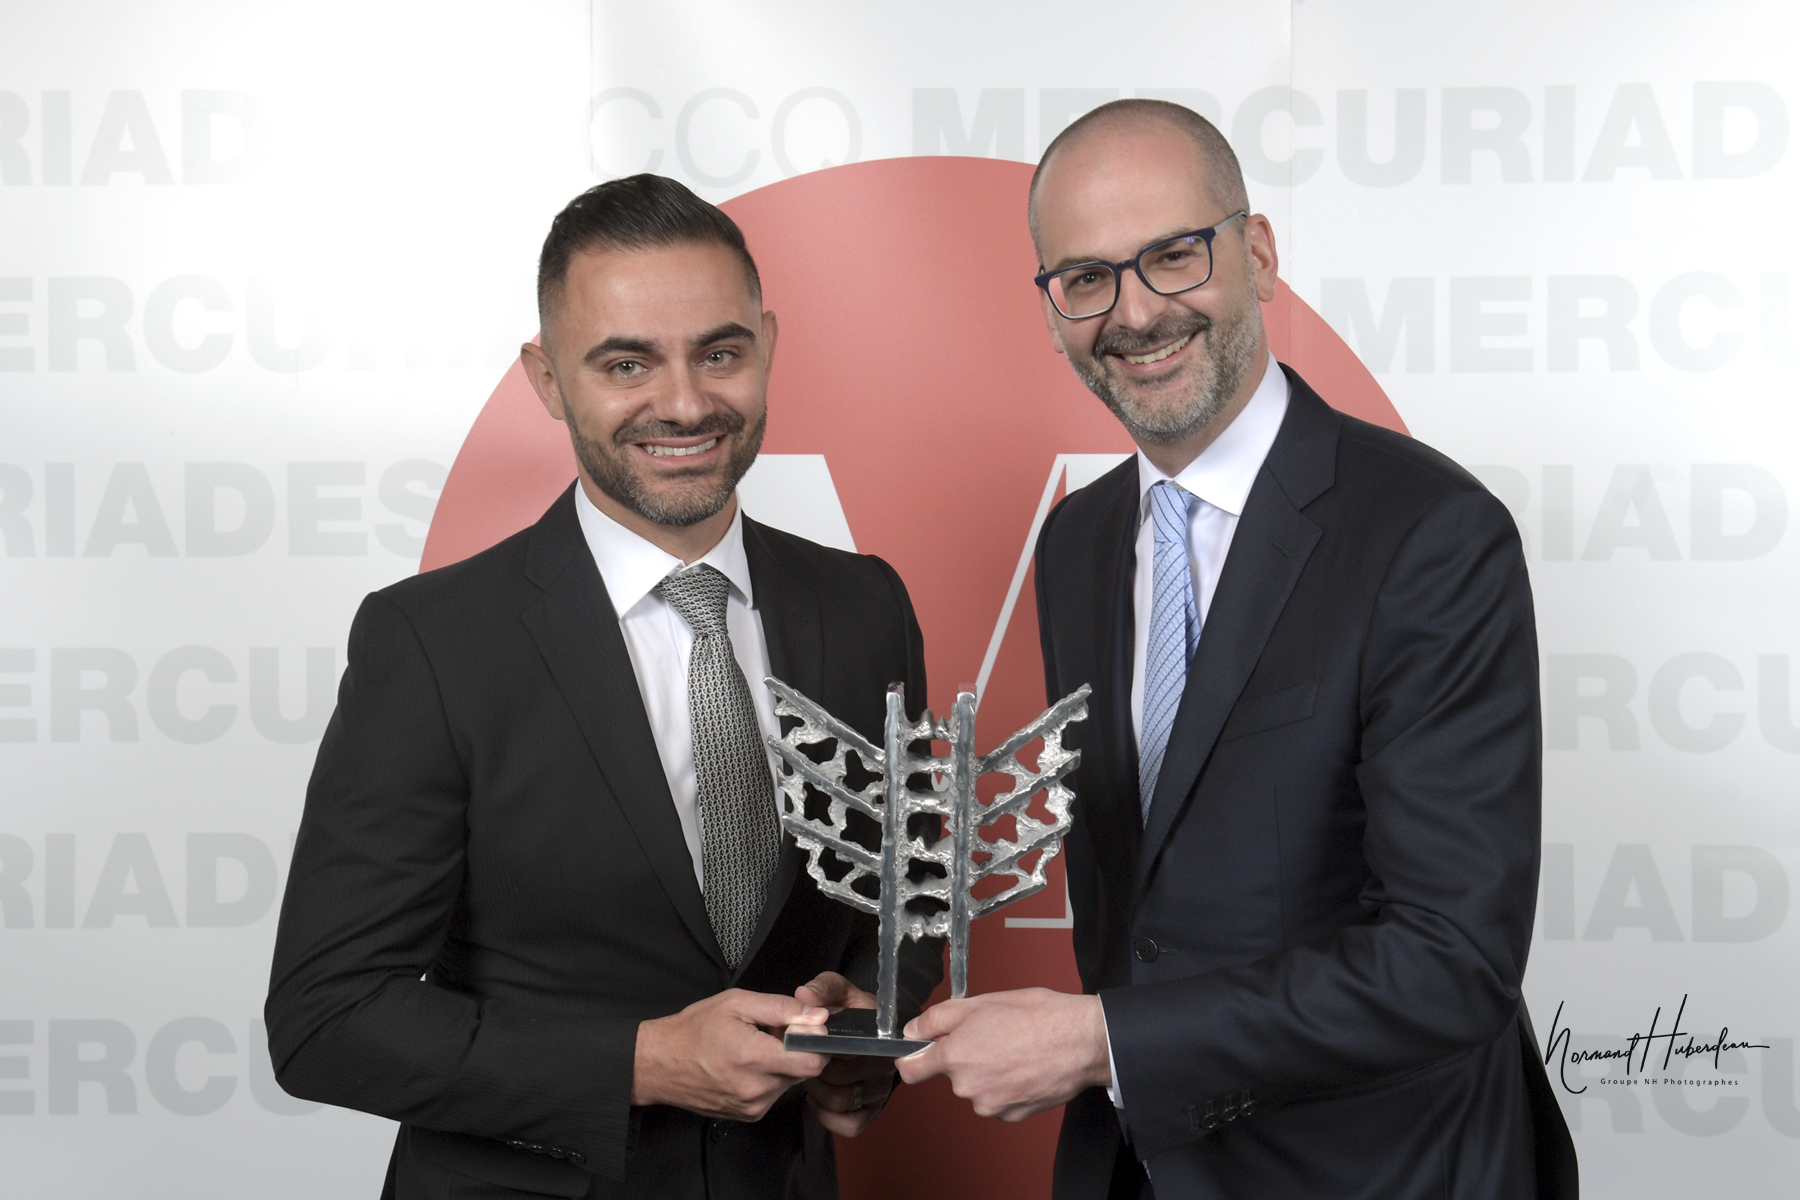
x,y
1303,867
540,909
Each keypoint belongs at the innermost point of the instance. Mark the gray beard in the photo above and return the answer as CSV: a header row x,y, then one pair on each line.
x,y
1230,353
611,470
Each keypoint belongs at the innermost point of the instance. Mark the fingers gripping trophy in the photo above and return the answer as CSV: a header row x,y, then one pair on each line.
x,y
962,858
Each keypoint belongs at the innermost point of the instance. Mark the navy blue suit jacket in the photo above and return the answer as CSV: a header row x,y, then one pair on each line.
x,y
1311,953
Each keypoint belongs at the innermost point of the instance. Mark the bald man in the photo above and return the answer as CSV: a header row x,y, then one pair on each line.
x,y
1304,862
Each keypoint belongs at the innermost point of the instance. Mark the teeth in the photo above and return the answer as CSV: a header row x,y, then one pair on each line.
x,y
1158,355
681,451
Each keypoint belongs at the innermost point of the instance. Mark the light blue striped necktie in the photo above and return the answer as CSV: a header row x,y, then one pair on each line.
x,y
1174,633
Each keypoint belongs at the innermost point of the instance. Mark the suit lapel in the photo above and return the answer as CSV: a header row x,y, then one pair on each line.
x,y
577,631
1268,552
794,633
1111,802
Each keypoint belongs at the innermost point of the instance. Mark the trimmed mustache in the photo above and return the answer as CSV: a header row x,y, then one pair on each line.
x,y
724,423
1170,329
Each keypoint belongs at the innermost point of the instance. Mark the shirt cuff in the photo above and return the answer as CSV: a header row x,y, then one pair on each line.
x,y
1112,1068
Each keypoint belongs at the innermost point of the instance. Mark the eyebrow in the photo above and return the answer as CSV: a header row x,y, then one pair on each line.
x,y
634,345
1162,237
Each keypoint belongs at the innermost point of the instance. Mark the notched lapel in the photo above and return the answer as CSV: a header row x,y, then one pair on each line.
x,y
1112,801
577,632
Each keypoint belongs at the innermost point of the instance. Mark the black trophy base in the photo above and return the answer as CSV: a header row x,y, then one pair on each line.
x,y
849,1034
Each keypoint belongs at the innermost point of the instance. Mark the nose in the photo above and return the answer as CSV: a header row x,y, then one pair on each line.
x,y
1138,306
680,400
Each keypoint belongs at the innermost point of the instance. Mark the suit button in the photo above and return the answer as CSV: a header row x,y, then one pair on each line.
x,y
577,1158
1145,950
716,1130
557,1152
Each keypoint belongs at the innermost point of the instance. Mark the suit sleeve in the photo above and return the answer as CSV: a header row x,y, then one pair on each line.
x,y
1450,782
378,866
921,962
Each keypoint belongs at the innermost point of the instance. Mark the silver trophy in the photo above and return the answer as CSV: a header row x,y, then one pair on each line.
x,y
965,858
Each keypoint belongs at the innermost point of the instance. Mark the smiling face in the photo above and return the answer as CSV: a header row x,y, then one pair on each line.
x,y
1174,369
658,361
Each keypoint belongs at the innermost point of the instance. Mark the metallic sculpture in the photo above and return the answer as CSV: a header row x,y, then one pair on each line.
x,y
962,856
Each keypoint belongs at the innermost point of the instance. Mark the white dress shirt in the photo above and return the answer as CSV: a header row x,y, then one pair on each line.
x,y
660,643
1221,477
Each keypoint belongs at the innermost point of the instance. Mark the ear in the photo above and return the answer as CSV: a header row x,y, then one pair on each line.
x,y
542,374
771,330
1260,236
1050,315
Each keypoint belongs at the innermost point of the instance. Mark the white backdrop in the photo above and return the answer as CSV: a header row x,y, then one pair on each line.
x,y
261,264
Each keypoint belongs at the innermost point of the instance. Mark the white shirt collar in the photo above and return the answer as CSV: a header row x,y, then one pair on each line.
x,y
1222,473
631,566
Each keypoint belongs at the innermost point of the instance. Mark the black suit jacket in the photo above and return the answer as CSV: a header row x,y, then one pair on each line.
x,y
490,889
1311,953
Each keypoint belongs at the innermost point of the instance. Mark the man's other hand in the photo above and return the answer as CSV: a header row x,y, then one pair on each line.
x,y
715,1058
1013,1054
849,1091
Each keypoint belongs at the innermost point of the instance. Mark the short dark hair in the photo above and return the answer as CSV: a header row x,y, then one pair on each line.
x,y
635,213
1225,178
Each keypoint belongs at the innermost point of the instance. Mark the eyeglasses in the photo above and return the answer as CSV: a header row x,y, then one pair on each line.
x,y
1168,267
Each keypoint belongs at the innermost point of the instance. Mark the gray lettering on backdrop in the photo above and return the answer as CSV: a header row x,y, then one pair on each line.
x,y
129,514
69,326
1566,703
1719,910
15,498
15,290
308,509
160,310
1568,325
206,852
997,129
1765,106
1355,155
1631,494
17,695
1249,129
1632,872
1503,136
1632,135
15,869
263,342
1711,865
162,698
126,141
1408,312
68,1067
130,884
778,129
16,1102
160,1062
203,483
1774,703
71,694
397,494
232,881
1472,323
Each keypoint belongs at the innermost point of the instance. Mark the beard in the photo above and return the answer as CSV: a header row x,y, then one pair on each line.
x,y
1193,401
695,496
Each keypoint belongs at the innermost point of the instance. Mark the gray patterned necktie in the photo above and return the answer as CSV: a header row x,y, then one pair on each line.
x,y
739,837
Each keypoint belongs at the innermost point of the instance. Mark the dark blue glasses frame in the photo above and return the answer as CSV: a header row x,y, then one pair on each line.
x,y
1136,263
